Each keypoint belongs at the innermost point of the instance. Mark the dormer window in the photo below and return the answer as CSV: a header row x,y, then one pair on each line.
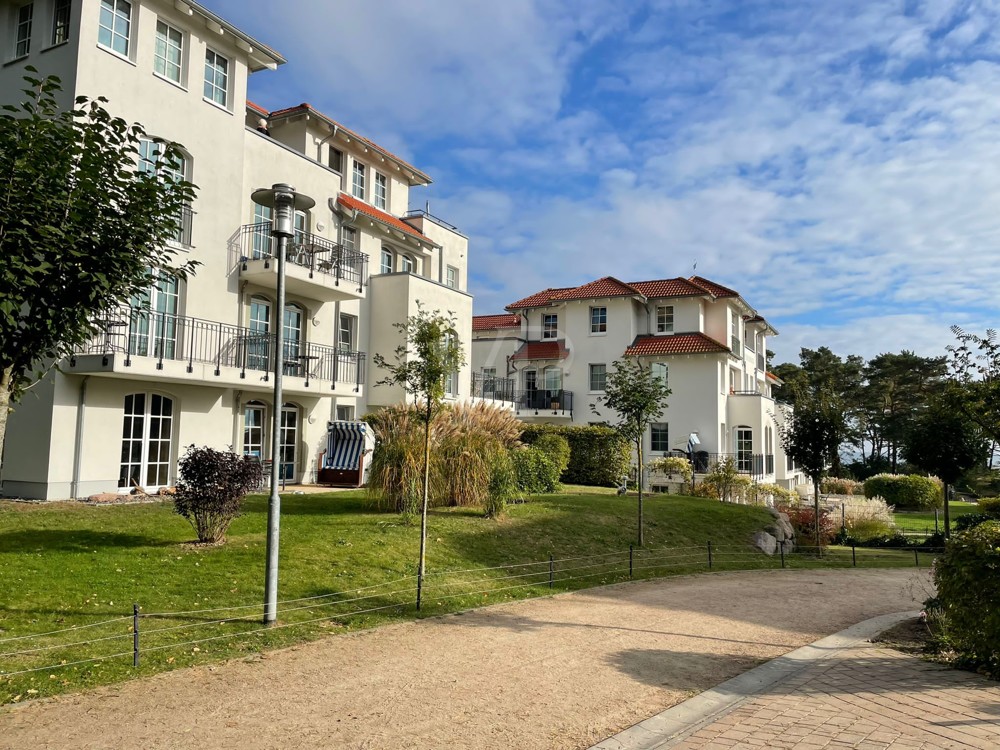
x,y
550,326
358,181
664,318
381,191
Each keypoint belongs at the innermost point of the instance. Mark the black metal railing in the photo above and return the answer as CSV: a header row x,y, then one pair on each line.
x,y
747,392
753,464
135,332
492,387
539,400
318,254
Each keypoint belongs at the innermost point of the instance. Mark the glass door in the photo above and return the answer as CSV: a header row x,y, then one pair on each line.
x,y
153,325
258,339
261,245
287,442
253,430
292,346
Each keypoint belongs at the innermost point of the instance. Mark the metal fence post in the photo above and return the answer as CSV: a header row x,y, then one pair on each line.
x,y
854,556
709,554
552,571
916,559
135,635
630,553
781,546
935,520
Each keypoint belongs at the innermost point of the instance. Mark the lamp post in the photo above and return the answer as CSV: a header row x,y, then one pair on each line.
x,y
284,202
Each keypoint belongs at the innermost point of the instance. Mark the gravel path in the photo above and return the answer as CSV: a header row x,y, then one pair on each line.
x,y
559,672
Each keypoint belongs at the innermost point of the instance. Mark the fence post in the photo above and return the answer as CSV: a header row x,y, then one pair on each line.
x,y
552,571
854,556
916,560
135,635
781,546
935,520
709,554
843,516
630,553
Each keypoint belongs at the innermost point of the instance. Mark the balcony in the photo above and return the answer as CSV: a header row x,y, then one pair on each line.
x,y
755,465
316,268
493,388
150,345
543,403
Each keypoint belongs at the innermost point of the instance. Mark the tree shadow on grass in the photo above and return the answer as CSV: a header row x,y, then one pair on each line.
x,y
69,540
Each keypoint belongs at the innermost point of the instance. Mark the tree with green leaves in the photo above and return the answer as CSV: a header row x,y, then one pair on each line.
x,y
811,435
430,352
975,363
945,442
81,225
639,397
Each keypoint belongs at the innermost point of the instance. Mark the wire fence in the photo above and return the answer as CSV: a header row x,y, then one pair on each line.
x,y
136,636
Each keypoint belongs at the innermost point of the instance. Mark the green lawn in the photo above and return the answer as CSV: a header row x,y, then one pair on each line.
x,y
78,569
923,521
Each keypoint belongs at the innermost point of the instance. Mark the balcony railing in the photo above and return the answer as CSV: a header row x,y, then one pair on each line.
x,y
756,465
136,333
557,401
492,388
318,254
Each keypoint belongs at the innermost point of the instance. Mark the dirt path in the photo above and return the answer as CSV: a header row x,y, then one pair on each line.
x,y
561,672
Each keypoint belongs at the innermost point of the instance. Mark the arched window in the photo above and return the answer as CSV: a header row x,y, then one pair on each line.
x,y
386,264
147,433
406,264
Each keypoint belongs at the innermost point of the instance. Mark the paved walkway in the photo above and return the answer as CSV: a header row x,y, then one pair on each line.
x,y
840,692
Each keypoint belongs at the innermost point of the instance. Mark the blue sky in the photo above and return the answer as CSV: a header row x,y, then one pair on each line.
x,y
836,162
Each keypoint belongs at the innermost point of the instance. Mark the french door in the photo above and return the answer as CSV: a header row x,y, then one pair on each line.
x,y
258,340
147,432
153,325
287,442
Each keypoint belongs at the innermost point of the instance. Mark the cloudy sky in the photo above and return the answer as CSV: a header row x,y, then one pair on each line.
x,y
837,161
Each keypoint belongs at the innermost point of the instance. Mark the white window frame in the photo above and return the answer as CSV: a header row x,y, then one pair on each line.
x,y
599,370
22,29
664,372
598,327
118,9
211,87
387,261
406,264
254,435
451,277
664,318
161,57
349,238
381,192
345,413
550,326
61,11
359,176
348,324
137,431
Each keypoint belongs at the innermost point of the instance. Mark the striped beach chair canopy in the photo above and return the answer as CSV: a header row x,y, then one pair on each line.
x,y
345,442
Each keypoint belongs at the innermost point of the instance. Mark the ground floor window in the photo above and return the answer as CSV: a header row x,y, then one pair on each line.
x,y
147,433
253,429
288,441
659,441
744,448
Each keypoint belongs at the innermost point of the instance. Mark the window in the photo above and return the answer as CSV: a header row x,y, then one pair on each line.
x,y
292,344
451,379
216,78
744,449
349,239
659,438
406,264
550,326
385,263
153,326
168,51
345,334
660,372
261,232
147,431
287,441
336,159
598,320
489,382
598,377
253,429
451,280
152,161
22,31
345,413
115,26
381,191
735,338
258,337
60,21
358,181
553,380
664,318
300,227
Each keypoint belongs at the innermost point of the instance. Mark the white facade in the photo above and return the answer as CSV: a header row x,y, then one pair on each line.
x,y
555,348
192,367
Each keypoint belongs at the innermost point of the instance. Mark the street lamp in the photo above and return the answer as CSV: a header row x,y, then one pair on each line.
x,y
284,202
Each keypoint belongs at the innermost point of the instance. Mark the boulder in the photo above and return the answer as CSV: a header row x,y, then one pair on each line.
x,y
765,542
105,497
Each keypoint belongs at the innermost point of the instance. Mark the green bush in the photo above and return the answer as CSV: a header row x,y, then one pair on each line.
x,y
969,591
535,472
502,486
990,506
837,486
598,456
906,491
556,447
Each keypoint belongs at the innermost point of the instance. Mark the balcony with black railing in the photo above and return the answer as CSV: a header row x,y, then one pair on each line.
x,y
756,465
493,388
544,403
131,339
315,267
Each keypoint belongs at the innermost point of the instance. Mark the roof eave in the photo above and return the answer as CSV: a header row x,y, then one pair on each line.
x,y
264,56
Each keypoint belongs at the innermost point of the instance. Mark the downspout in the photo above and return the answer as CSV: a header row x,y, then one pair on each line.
x,y
239,313
78,439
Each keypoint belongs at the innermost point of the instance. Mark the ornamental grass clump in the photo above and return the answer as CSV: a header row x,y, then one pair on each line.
x,y
212,487
395,480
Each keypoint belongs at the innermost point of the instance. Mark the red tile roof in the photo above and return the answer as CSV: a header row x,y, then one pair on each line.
x,y
712,288
257,108
494,322
609,286
386,218
542,350
668,288
306,107
539,299
678,343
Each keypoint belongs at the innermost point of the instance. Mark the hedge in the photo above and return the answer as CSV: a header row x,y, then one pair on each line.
x,y
969,594
598,456
906,492
535,473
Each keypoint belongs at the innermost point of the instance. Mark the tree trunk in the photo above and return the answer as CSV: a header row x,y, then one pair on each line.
x,y
816,511
947,517
6,385
639,451
423,512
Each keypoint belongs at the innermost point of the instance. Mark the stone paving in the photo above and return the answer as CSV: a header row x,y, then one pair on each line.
x,y
853,696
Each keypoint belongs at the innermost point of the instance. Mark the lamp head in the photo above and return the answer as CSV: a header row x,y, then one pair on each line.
x,y
284,202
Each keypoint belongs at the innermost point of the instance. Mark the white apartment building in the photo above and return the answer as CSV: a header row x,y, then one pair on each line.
x,y
549,356
190,362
